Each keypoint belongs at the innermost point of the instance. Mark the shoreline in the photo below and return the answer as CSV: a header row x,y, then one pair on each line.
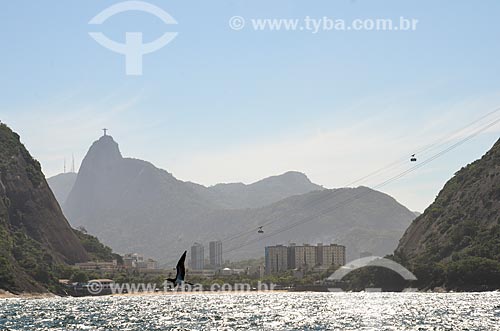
x,y
9,295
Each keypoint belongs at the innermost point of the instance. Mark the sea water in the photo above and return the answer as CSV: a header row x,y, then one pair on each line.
x,y
257,311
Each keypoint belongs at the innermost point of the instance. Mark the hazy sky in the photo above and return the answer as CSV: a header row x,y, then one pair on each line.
x,y
218,105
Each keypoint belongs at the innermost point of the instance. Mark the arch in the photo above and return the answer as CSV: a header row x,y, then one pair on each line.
x,y
372,261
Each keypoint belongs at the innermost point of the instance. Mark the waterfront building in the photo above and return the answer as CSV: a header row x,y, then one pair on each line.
x,y
276,259
215,253
331,255
98,266
306,257
197,257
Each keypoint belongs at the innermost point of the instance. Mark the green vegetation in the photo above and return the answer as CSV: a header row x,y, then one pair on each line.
x,y
465,274
10,149
374,277
33,170
79,277
30,257
32,228
21,255
473,273
9,142
96,250
468,273
455,244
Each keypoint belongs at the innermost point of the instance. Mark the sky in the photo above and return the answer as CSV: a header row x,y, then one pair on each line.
x,y
223,105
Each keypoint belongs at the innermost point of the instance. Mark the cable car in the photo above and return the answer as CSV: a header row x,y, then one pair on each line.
x,y
260,230
413,158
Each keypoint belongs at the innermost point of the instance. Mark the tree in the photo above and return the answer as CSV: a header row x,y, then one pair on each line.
x,y
79,277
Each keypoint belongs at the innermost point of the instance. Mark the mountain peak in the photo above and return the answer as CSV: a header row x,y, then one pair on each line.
x,y
295,174
264,192
288,177
103,150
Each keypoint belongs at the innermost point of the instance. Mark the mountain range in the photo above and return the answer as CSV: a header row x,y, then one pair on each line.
x,y
134,206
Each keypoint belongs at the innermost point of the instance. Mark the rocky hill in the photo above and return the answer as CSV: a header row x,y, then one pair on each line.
x,y
456,242
135,207
35,237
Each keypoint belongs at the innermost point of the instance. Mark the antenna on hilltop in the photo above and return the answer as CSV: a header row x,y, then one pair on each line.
x,y
105,131
73,163
64,165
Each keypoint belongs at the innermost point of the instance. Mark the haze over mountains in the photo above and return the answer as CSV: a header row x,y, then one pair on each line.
x,y
134,206
62,184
